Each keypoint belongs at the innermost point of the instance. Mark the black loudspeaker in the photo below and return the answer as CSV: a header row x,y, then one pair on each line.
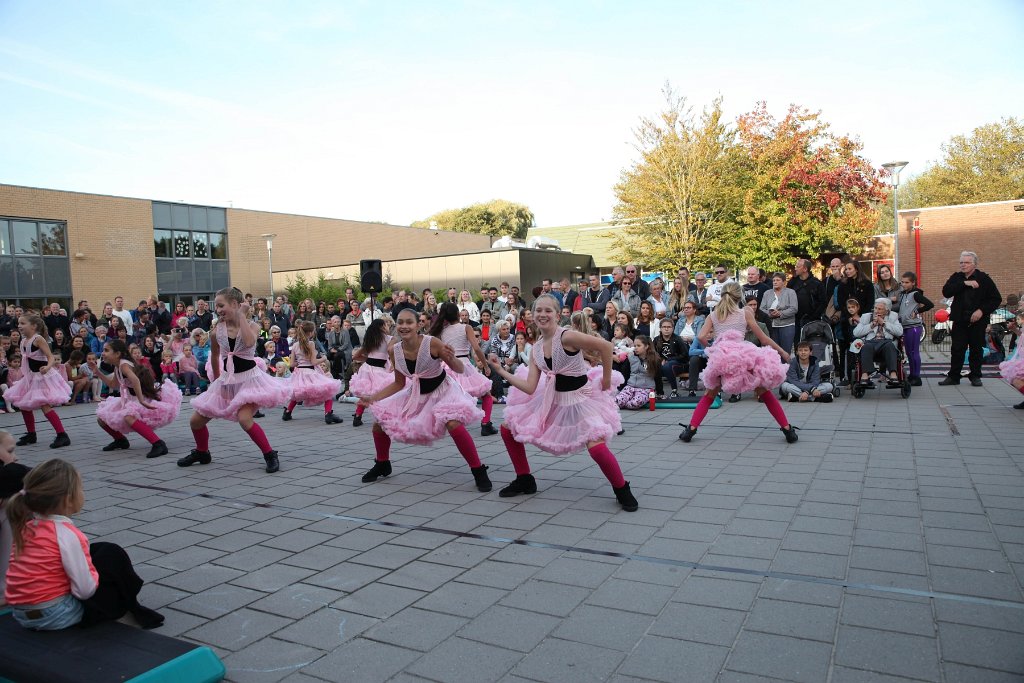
x,y
370,280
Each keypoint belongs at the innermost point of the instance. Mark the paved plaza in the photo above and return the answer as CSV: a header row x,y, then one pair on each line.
x,y
887,545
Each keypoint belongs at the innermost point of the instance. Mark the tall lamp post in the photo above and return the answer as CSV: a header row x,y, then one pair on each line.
x,y
894,168
269,237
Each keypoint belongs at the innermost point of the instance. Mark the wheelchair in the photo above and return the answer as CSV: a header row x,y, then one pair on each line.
x,y
902,382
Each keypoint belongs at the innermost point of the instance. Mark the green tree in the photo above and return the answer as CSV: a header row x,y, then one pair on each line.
x,y
497,217
810,190
986,166
678,203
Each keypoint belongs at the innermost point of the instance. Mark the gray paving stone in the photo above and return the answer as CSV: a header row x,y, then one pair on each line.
x,y
200,578
887,652
296,601
547,598
887,614
888,560
237,630
463,661
810,564
791,659
218,601
716,592
984,648
974,582
972,674
634,596
561,661
268,660
670,660
362,660
423,576
499,574
514,629
461,599
812,622
273,577
699,624
378,600
602,627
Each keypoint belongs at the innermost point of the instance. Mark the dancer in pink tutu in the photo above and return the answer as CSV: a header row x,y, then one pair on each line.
x,y
42,385
737,366
239,387
141,407
1012,369
460,337
575,406
310,384
376,371
423,401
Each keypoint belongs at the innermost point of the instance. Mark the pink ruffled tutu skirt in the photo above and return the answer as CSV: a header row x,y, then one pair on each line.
x,y
563,422
228,394
737,366
313,387
1013,368
369,380
35,390
165,409
412,417
474,382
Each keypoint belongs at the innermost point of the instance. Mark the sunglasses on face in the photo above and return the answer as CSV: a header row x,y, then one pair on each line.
x,y
719,272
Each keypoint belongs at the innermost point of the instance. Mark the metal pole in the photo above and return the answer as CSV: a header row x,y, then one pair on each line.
x,y
270,265
896,233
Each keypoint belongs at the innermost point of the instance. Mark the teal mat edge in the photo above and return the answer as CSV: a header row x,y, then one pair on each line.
x,y
200,665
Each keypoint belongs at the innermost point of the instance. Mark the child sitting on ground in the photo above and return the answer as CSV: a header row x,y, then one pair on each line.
x,y
803,379
188,371
644,374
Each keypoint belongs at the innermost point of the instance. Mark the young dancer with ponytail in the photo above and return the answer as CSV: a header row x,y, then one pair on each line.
x,y
461,337
308,384
561,404
42,385
423,401
376,371
239,388
141,407
737,366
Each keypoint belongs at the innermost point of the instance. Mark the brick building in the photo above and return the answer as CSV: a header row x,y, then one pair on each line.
x,y
931,241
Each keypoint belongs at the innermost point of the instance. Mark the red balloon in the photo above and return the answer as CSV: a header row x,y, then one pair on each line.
x,y
941,315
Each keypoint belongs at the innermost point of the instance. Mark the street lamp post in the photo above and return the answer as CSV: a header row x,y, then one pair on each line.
x,y
894,168
269,237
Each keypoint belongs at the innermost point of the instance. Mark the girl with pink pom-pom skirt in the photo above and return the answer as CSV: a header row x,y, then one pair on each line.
x,y
239,387
376,371
140,407
42,385
1012,370
737,366
562,405
422,402
462,339
309,383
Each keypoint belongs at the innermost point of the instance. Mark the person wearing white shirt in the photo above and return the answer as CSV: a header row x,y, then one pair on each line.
x,y
715,290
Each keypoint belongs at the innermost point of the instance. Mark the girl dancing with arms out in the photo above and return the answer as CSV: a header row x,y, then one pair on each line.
x,y
141,407
239,387
460,337
42,385
739,366
423,401
308,384
557,407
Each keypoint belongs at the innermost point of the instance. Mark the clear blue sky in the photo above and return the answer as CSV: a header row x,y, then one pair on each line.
x,y
394,110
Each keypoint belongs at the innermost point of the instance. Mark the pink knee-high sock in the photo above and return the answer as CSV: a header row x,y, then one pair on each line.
x,y
55,421
775,408
328,406
488,405
30,421
291,406
605,459
113,432
255,433
145,431
382,444
464,442
202,437
360,409
701,411
516,452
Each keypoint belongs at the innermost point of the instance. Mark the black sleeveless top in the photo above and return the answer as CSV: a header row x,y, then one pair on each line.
x,y
567,382
241,364
427,384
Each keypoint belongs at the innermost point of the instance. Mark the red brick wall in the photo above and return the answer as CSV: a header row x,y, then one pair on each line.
x,y
994,231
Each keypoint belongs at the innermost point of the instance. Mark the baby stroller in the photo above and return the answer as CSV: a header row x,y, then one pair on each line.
x,y
902,382
819,335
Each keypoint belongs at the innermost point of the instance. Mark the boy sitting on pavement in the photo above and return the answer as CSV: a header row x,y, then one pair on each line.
x,y
803,379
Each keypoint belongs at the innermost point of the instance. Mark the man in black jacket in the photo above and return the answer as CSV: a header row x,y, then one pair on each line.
x,y
810,294
975,298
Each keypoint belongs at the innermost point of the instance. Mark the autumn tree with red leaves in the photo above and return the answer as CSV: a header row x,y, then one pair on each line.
x,y
810,190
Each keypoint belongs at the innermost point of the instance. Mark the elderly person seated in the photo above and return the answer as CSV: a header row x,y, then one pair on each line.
x,y
879,332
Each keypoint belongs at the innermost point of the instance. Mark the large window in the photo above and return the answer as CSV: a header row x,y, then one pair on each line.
x,y
190,246
33,261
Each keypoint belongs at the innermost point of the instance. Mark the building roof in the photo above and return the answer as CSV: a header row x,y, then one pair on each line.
x,y
588,238
961,206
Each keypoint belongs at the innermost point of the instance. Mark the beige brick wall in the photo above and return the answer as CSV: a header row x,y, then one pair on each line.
x,y
994,231
308,243
114,235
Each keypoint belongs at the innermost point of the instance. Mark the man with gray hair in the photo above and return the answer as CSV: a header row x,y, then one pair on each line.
x,y
975,298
